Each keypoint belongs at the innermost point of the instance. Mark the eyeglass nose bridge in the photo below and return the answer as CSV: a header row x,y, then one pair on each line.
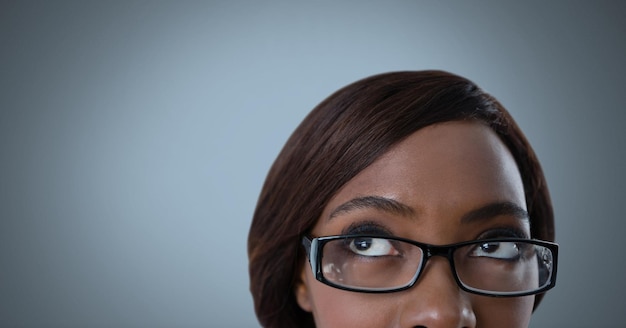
x,y
443,251
432,250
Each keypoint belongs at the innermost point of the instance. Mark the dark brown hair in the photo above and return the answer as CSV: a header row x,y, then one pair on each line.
x,y
342,136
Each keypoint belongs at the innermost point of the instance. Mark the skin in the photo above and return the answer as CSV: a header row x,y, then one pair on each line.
x,y
440,173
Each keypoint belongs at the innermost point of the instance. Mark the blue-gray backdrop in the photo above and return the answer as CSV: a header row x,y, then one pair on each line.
x,y
135,136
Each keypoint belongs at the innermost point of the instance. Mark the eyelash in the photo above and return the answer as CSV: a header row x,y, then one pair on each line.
x,y
504,232
367,227
375,228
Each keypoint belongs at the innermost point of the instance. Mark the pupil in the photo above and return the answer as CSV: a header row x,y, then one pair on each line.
x,y
363,244
489,247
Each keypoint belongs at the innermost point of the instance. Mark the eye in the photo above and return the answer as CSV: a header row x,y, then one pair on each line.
x,y
497,250
372,247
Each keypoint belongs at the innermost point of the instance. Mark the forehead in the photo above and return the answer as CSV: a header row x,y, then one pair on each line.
x,y
443,169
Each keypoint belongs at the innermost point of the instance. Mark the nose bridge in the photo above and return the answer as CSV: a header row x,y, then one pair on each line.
x,y
444,253
436,300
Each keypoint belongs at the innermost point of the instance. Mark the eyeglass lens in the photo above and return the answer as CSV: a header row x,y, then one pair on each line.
x,y
377,264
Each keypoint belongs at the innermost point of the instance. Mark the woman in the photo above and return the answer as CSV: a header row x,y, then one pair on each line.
x,y
406,199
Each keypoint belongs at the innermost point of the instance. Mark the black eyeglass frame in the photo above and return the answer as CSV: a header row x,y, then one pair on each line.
x,y
314,245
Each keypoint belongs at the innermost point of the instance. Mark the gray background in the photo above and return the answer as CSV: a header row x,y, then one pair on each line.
x,y
134,139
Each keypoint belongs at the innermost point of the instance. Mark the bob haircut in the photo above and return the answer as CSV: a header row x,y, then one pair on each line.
x,y
343,135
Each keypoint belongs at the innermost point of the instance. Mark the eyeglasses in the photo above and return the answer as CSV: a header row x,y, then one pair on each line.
x,y
375,264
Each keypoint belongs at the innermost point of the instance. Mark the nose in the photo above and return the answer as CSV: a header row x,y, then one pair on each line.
x,y
436,300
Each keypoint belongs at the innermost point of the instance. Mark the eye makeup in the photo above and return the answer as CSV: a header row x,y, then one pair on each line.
x,y
503,232
368,227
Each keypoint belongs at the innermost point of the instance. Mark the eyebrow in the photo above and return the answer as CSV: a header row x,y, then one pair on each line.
x,y
376,202
495,209
389,205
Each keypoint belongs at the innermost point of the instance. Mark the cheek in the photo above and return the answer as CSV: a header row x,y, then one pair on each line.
x,y
503,312
337,308
333,307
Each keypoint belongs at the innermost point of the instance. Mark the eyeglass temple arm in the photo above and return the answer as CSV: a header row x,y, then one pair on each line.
x,y
306,242
310,246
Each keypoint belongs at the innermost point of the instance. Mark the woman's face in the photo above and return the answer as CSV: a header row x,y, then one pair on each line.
x,y
438,174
